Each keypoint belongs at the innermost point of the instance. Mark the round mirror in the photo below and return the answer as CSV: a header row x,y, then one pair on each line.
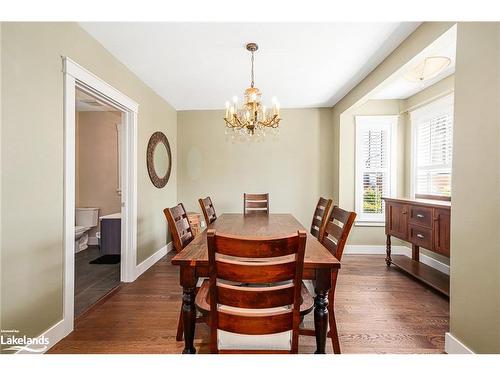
x,y
159,159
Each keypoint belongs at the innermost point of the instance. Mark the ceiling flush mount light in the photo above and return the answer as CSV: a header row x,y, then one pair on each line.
x,y
428,68
251,118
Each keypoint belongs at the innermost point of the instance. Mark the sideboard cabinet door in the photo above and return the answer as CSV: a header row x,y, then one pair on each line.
x,y
396,219
442,231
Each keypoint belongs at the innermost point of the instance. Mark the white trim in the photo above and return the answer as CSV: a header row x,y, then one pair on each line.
x,y
129,196
369,223
69,203
146,264
454,346
413,147
96,85
77,77
434,263
55,334
428,101
396,250
119,157
382,122
433,107
376,250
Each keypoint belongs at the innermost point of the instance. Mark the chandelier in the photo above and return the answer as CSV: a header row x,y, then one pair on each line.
x,y
251,118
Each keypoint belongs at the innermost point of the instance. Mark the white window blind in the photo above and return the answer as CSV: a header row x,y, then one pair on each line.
x,y
432,129
374,165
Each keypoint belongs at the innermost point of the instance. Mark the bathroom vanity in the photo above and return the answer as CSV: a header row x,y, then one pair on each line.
x,y
110,234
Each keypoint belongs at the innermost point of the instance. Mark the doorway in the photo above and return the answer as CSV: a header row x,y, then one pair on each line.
x,y
97,200
78,80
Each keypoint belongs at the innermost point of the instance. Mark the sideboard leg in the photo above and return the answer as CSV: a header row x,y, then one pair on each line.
x,y
388,259
415,253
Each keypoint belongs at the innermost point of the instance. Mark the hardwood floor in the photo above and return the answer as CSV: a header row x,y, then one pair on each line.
x,y
378,310
92,281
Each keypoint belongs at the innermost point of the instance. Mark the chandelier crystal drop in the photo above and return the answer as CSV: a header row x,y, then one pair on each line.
x,y
252,118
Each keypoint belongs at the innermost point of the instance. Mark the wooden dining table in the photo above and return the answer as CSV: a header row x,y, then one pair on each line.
x,y
319,265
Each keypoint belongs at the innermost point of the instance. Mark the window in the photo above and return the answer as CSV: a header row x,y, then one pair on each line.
x,y
375,175
432,130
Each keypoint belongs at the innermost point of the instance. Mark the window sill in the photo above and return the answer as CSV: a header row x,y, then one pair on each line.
x,y
369,223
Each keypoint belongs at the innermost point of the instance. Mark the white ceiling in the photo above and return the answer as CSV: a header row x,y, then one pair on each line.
x,y
398,87
201,65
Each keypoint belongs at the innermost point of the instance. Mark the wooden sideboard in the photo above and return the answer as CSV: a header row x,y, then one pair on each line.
x,y
424,223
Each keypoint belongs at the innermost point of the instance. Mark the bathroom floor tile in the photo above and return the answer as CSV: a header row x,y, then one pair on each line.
x,y
92,281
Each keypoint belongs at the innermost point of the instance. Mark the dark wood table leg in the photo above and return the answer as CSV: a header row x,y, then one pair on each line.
x,y
188,282
323,284
388,259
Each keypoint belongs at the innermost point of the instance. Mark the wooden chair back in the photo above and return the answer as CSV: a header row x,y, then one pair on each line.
x,y
178,223
320,217
337,230
208,210
259,262
255,203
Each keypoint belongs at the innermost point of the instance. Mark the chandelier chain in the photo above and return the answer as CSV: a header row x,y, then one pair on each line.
x,y
252,71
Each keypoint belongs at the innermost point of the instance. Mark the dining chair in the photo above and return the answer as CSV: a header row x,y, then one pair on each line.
x,y
208,209
334,238
255,203
182,235
178,223
320,216
255,295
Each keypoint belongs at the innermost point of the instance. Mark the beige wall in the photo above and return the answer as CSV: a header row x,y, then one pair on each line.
x,y
296,168
1,176
96,180
430,94
32,182
475,220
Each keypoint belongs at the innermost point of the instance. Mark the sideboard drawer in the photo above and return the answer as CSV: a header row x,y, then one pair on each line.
x,y
421,236
421,216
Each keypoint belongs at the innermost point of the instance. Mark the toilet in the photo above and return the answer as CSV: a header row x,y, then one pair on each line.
x,y
85,219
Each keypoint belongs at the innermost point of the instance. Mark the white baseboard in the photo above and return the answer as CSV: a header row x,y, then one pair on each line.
x,y
376,250
453,346
93,241
146,264
396,250
54,334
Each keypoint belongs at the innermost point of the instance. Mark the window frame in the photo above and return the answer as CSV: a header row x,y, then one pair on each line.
x,y
376,121
427,111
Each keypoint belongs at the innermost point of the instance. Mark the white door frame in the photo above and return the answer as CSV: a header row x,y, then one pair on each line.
x,y
75,77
